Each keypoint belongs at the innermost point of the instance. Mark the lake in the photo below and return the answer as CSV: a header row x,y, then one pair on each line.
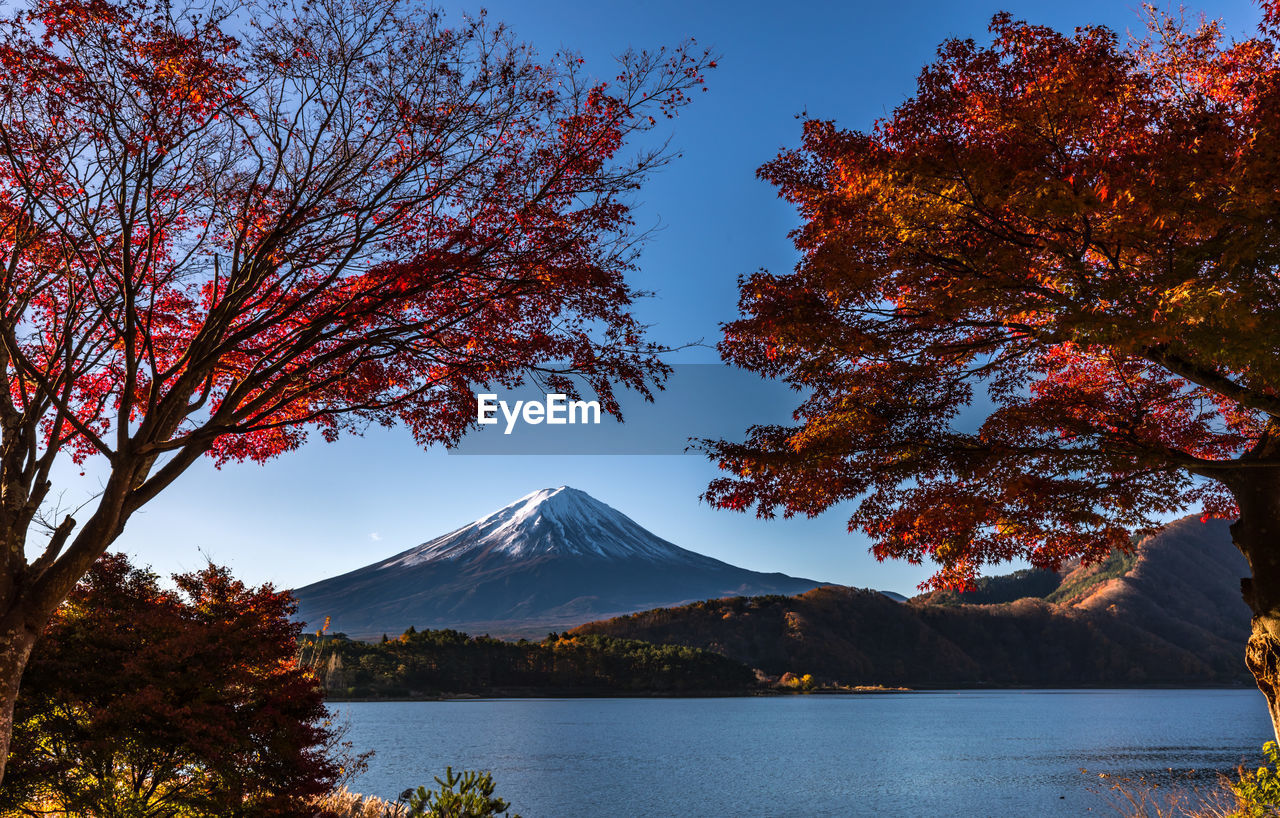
x,y
952,753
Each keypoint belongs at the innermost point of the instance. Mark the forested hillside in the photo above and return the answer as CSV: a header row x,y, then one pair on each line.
x,y
1168,613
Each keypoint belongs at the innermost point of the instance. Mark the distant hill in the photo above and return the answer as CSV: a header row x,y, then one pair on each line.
x,y
551,560
1169,613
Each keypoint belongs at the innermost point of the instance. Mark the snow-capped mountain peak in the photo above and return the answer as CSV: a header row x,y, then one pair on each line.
x,y
559,521
553,559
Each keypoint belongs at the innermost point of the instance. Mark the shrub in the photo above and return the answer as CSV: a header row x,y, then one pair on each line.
x,y
461,795
342,803
1257,791
473,798
804,683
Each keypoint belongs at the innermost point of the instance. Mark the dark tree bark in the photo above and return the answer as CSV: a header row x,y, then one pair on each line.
x,y
1257,534
16,641
25,607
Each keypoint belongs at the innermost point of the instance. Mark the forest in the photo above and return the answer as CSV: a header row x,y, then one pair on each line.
x,y
422,664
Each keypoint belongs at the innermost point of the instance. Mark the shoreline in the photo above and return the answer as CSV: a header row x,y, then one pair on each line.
x,y
507,694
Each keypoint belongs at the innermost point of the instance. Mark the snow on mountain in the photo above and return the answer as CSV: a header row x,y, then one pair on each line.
x,y
552,559
563,521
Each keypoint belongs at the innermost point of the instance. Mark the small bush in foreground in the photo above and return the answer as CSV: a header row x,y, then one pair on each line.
x,y
473,798
467,794
1257,792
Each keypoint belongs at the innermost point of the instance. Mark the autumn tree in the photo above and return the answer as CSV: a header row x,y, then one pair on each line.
x,y
1037,308
144,701
226,227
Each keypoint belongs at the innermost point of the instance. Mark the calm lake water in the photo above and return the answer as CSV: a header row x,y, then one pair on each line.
x,y
959,753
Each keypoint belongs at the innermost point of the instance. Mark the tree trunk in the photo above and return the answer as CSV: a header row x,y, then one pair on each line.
x,y
16,641
1257,535
1262,655
27,603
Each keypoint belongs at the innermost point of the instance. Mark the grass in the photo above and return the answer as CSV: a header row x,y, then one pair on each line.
x,y
341,803
1254,793
1140,798
346,804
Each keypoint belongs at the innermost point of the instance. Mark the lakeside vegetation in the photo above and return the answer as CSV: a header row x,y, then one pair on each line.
x,y
422,664
1250,793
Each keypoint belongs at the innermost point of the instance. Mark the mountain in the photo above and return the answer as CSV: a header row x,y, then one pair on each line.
x,y
550,560
1169,612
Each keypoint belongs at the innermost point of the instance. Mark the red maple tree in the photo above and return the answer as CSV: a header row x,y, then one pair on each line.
x,y
143,701
1038,307
223,228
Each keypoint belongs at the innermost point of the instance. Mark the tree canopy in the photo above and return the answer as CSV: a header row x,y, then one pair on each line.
x,y
1037,306
144,701
225,227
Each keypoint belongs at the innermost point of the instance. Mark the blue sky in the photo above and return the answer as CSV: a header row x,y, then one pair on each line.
x,y
330,508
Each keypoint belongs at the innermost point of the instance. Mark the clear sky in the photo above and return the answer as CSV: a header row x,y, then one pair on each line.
x,y
331,508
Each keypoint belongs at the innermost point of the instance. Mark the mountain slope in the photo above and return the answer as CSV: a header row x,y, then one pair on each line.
x,y
552,559
1169,614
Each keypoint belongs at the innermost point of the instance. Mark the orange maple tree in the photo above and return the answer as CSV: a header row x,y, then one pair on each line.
x,y
226,227
1038,308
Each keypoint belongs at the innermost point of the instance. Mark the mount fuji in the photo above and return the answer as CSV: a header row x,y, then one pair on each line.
x,y
551,560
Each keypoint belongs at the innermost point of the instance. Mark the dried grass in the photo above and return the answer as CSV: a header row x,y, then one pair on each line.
x,y
1140,798
343,803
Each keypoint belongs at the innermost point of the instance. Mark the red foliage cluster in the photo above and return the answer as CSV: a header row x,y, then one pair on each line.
x,y
1037,306
224,227
353,214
